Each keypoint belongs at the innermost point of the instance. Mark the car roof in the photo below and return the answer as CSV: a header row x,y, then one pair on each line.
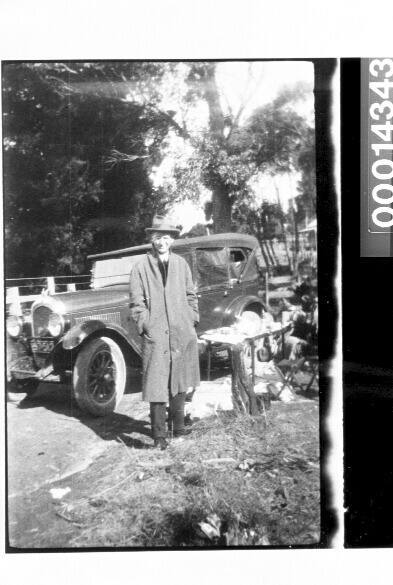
x,y
213,241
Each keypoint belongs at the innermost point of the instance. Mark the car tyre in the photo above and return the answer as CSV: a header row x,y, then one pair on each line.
x,y
99,376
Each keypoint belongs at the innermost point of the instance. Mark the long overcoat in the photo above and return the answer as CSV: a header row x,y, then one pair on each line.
x,y
165,317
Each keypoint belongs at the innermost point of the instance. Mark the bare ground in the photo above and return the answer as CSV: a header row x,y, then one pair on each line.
x,y
234,481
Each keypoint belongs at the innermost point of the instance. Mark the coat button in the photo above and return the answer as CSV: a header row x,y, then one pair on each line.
x,y
167,332
165,351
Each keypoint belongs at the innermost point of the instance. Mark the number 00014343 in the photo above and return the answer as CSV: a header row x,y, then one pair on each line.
x,y
380,153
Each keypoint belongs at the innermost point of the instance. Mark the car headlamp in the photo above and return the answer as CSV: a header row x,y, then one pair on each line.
x,y
55,325
14,326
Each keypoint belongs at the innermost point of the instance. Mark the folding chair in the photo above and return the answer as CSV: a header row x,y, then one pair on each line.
x,y
293,371
289,369
312,362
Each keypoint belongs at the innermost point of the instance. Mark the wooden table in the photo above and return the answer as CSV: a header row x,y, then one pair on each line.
x,y
244,397
252,341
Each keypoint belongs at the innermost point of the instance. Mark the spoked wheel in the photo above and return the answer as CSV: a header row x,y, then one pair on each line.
x,y
99,376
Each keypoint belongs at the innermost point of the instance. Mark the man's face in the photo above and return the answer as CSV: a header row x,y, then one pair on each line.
x,y
161,242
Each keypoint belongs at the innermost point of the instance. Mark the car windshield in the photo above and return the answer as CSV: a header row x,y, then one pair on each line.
x,y
110,271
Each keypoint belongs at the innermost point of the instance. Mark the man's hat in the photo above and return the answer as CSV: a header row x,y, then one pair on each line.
x,y
161,224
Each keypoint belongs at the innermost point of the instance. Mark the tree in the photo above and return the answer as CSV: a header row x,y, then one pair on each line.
x,y
225,167
230,152
307,184
283,142
66,191
212,157
84,143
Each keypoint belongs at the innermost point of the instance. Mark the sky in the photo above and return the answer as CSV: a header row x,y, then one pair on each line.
x,y
270,77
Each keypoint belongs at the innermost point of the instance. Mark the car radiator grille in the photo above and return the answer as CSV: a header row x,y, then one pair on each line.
x,y
113,317
40,360
40,320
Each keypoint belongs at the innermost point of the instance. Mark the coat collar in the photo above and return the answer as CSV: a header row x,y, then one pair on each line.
x,y
154,257
154,260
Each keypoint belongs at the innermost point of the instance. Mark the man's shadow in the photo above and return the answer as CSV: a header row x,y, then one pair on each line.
x,y
115,426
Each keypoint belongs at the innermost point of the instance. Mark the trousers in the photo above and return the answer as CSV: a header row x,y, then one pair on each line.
x,y
175,419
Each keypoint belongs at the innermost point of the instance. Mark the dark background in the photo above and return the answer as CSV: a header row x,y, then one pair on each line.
x,y
367,318
327,216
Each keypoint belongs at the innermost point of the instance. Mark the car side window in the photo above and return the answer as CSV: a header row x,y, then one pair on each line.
x,y
237,261
212,267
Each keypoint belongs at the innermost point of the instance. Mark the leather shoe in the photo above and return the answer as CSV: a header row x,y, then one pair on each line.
x,y
160,443
182,433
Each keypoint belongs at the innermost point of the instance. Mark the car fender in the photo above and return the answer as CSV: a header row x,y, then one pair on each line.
x,y
77,334
239,305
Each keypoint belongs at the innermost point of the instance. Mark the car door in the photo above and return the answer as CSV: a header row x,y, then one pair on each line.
x,y
237,262
244,259
213,283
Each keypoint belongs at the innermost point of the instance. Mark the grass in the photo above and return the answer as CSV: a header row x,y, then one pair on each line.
x,y
232,482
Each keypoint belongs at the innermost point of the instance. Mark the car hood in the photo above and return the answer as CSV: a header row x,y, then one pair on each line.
x,y
88,300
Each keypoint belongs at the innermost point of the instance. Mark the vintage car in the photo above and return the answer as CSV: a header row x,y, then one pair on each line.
x,y
90,335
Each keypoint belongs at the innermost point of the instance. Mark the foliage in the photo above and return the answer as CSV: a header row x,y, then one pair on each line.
x,y
307,184
64,126
230,152
197,230
84,144
276,137
263,221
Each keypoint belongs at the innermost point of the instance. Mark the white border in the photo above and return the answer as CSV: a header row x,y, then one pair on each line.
x,y
77,29
219,29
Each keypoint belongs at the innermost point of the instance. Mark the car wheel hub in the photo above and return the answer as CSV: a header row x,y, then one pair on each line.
x,y
102,376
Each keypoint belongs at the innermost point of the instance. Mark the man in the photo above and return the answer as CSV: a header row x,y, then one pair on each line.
x,y
165,308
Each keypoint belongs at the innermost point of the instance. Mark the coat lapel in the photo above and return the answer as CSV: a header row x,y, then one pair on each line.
x,y
170,272
153,262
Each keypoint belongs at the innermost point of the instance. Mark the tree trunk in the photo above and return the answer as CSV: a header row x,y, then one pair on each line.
x,y
273,252
284,233
268,253
263,251
260,237
243,395
222,210
296,243
212,97
221,203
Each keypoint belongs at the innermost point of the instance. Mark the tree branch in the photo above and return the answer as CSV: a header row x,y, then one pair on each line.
x,y
181,130
246,101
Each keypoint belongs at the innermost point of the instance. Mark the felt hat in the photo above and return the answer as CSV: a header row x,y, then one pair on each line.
x,y
161,224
